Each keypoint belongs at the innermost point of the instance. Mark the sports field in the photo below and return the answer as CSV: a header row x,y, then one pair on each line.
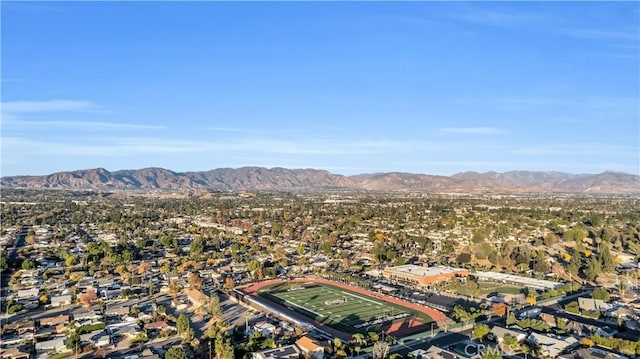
x,y
339,308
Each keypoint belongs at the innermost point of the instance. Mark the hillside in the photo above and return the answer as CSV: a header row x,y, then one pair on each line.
x,y
260,178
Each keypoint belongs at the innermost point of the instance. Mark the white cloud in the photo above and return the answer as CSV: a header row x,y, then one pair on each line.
x,y
82,125
604,34
590,149
15,107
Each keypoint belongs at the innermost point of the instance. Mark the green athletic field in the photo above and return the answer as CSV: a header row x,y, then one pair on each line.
x,y
339,308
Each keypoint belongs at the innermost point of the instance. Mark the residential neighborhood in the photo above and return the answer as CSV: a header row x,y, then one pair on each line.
x,y
94,276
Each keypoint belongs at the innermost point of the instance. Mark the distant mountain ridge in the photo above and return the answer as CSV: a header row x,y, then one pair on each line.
x,y
260,178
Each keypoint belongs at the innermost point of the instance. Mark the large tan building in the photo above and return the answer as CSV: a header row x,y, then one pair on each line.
x,y
416,275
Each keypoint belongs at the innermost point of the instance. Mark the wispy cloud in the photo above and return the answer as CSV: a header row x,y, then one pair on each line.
x,y
127,146
21,114
630,34
474,130
496,17
15,107
590,149
82,125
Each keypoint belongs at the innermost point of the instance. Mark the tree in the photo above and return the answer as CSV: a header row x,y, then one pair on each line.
x,y
28,264
601,293
176,353
174,288
4,264
195,281
143,268
511,318
623,285
380,350
183,325
574,263
89,297
607,262
70,260
592,268
463,258
499,309
197,246
358,339
373,336
480,331
73,339
214,308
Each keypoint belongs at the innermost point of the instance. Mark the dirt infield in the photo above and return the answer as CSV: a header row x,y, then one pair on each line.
x,y
396,329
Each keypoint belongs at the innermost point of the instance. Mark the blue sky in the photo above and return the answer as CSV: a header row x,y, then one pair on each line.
x,y
423,87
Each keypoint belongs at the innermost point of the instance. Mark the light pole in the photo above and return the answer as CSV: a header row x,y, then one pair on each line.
x,y
432,323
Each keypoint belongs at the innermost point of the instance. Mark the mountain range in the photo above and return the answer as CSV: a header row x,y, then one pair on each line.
x,y
260,178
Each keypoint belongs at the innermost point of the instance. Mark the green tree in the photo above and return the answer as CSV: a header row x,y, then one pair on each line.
x,y
592,268
214,307
4,265
480,331
197,247
601,293
176,353
574,263
463,258
28,264
182,324
73,340
607,262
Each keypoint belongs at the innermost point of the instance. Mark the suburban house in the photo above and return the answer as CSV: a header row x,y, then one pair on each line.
x,y
61,300
158,325
28,294
435,352
14,353
551,346
500,333
590,304
267,329
310,348
196,297
54,321
57,345
285,352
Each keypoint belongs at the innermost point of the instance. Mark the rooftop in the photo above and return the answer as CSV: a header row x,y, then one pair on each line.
x,y
425,271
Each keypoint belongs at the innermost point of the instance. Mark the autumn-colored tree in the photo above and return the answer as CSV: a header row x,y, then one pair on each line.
x,y
499,309
143,268
531,299
174,287
195,281
88,297
228,283
31,239
586,342
165,268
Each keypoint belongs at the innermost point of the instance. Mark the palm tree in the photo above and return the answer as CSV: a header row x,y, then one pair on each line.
x,y
380,350
358,339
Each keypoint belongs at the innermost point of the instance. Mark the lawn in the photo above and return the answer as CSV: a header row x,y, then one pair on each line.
x,y
490,287
339,308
